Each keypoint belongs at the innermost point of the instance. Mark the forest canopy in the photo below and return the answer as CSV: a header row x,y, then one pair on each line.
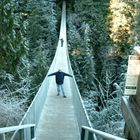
x,y
101,34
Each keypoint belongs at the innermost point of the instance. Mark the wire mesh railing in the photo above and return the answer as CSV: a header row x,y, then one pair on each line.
x,y
4,132
34,111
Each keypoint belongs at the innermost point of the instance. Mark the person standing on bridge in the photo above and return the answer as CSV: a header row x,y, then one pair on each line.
x,y
62,40
59,78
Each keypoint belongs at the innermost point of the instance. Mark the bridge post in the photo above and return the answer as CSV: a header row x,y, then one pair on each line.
x,y
2,136
83,134
32,132
86,135
131,102
127,132
21,134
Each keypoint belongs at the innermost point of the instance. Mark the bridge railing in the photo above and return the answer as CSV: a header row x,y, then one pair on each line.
x,y
87,134
33,113
80,111
85,126
20,129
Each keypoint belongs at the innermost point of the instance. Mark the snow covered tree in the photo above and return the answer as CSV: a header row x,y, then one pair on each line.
x,y
121,19
28,39
136,4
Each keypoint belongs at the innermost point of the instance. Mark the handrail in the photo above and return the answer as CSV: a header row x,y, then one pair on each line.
x,y
13,128
17,128
87,133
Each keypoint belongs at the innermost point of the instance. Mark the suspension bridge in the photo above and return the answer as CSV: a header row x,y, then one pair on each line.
x,y
51,117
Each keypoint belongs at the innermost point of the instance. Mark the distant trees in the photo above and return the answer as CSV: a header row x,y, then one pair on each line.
x,y
100,37
121,19
11,36
12,51
90,23
42,37
28,37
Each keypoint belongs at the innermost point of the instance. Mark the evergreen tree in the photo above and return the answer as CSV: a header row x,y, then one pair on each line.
x,y
11,39
94,43
42,36
12,51
121,20
136,4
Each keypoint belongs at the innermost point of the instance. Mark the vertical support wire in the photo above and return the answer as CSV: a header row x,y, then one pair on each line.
x,y
90,136
21,134
82,134
32,132
87,135
2,136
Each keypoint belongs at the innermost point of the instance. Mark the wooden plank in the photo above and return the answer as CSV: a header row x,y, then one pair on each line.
x,y
131,118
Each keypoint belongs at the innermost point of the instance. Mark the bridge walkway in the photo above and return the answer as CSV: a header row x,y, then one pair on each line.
x,y
58,120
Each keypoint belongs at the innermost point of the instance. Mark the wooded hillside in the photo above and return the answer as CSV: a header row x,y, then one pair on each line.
x,y
101,35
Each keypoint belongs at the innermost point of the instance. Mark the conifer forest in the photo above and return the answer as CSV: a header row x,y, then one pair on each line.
x,y
101,34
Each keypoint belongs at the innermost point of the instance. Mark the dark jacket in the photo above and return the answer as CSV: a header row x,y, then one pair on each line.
x,y
59,77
